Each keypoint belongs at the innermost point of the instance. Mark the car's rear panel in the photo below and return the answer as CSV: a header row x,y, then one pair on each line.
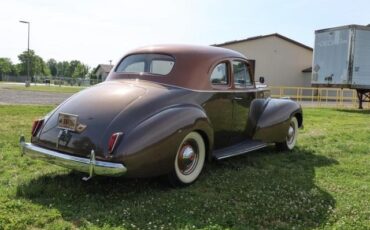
x,y
108,108
95,109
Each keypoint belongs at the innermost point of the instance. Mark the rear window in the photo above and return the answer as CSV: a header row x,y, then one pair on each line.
x,y
160,64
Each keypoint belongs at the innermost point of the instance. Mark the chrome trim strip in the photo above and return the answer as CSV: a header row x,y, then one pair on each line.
x,y
245,90
242,151
72,162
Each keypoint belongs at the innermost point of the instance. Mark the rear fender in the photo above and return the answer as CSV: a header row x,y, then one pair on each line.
x,y
150,148
269,119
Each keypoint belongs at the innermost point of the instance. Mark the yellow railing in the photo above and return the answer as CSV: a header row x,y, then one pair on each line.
x,y
319,96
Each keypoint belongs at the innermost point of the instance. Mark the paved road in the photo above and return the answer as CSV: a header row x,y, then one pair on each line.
x,y
10,96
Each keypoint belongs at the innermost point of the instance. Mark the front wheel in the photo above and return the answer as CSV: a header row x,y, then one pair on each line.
x,y
189,160
291,137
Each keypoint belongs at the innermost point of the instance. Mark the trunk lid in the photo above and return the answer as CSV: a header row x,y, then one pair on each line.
x,y
96,108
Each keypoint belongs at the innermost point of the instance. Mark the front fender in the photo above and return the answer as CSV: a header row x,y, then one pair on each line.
x,y
269,119
150,148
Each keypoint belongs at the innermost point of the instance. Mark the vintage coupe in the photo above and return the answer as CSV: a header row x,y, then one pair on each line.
x,y
165,110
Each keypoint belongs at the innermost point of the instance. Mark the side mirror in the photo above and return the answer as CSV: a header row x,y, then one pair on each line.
x,y
262,80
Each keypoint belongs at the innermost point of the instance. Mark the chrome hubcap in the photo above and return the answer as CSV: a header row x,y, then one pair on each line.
x,y
291,133
187,159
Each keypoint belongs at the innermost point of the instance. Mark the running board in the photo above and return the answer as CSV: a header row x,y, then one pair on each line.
x,y
238,149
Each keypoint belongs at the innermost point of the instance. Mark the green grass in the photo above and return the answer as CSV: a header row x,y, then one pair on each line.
x,y
323,184
45,88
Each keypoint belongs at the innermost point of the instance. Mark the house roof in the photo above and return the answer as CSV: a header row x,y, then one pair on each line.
x,y
104,67
265,36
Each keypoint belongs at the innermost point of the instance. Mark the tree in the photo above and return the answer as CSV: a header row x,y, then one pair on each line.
x,y
53,66
16,69
63,68
73,65
5,67
92,73
45,69
77,69
80,71
37,65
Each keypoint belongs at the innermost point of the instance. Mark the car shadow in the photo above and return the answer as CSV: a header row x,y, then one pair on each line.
x,y
263,189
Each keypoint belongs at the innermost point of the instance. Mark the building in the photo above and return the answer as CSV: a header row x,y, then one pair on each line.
x,y
102,71
280,60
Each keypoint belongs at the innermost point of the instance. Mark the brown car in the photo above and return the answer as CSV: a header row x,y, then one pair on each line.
x,y
165,110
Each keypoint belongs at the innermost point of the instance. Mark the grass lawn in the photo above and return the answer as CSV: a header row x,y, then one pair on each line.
x,y
324,184
45,88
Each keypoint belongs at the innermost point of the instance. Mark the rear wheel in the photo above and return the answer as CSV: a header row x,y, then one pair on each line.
x,y
189,160
291,137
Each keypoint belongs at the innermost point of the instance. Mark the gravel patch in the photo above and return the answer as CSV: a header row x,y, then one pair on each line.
x,y
9,96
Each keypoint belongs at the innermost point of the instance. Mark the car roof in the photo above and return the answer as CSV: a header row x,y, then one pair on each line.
x,y
192,64
178,50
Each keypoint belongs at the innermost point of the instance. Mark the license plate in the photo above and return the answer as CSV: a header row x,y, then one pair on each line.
x,y
67,121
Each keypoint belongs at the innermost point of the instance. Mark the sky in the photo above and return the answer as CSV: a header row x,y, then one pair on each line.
x,y
96,31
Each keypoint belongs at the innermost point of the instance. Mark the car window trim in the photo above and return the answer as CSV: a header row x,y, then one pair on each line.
x,y
252,84
228,71
145,62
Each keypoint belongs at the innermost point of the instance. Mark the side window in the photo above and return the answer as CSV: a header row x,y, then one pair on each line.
x,y
241,74
162,67
135,67
219,75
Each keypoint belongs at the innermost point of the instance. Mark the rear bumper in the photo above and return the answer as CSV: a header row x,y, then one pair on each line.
x,y
88,165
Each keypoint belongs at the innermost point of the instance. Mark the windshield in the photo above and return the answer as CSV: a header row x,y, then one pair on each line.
x,y
159,64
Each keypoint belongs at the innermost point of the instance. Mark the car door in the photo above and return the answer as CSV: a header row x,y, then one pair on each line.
x,y
219,107
243,94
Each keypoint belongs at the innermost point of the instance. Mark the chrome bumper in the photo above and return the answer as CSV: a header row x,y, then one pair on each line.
x,y
88,165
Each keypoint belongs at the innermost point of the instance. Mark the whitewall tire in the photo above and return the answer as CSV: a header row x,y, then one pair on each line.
x,y
291,137
189,160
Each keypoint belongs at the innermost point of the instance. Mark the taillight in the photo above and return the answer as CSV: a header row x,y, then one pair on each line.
x,y
36,126
113,141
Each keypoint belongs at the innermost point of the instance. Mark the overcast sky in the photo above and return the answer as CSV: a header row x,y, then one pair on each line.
x,y
96,31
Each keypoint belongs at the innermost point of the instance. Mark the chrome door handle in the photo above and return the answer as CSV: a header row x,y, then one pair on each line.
x,y
238,98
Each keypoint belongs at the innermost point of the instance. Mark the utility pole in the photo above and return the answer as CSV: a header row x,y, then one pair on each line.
x,y
28,53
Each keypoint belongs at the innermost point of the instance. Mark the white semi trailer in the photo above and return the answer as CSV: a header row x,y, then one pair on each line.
x,y
342,59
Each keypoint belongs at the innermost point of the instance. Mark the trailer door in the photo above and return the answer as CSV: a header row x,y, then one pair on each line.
x,y
361,60
331,57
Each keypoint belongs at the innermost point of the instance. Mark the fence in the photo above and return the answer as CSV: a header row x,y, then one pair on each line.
x,y
53,81
319,96
307,96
